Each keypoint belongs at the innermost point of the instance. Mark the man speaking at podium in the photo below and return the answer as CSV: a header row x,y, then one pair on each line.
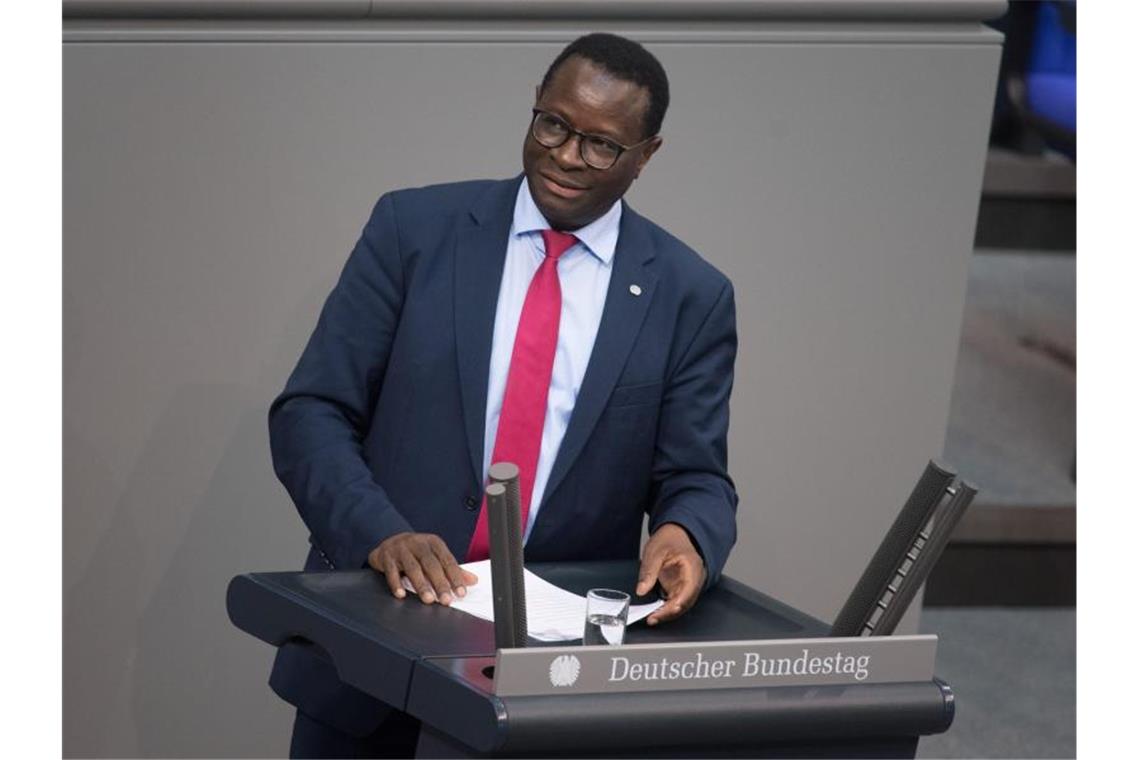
x,y
537,320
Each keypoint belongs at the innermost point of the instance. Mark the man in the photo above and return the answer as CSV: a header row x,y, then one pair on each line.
x,y
537,320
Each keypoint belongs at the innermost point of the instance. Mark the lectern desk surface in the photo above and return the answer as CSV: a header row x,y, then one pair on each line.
x,y
431,661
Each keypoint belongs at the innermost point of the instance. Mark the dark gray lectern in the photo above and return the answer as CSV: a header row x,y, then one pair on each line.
x,y
433,662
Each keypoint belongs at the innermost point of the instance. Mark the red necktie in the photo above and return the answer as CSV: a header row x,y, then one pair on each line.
x,y
519,436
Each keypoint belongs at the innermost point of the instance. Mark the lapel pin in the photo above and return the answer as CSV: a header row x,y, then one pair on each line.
x,y
635,289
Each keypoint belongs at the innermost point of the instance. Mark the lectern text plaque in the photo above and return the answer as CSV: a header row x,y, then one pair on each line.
x,y
714,665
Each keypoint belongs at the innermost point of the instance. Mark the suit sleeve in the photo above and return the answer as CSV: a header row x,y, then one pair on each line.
x,y
690,472
318,423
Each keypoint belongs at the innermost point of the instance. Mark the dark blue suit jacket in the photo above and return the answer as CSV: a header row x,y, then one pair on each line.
x,y
380,426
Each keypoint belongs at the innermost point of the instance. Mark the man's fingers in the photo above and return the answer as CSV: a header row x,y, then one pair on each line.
x,y
392,574
421,562
679,581
665,613
419,581
455,575
679,602
647,576
685,596
426,563
676,574
437,577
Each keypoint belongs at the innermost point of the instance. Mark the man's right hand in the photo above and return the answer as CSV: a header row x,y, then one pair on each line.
x,y
428,563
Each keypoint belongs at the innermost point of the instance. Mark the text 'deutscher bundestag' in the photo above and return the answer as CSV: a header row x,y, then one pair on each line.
x,y
714,665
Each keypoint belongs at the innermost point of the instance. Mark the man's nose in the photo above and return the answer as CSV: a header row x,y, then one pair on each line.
x,y
568,155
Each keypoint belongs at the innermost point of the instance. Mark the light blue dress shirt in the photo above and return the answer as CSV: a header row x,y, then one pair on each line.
x,y
584,274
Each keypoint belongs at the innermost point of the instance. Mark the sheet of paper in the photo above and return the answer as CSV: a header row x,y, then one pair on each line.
x,y
552,613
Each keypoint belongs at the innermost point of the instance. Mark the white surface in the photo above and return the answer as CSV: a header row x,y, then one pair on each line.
x,y
552,613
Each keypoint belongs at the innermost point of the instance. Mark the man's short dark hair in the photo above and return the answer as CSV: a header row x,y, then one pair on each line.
x,y
626,60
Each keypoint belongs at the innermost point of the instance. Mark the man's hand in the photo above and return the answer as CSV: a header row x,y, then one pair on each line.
x,y
427,562
671,560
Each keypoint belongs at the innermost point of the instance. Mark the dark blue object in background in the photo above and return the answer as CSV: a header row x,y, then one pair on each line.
x,y
1051,75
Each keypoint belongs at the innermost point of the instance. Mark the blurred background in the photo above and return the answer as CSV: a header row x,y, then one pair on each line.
x,y
1003,595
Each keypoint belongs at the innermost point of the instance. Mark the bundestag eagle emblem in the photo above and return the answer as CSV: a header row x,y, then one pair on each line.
x,y
564,670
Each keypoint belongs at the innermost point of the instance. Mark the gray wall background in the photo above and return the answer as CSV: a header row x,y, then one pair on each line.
x,y
217,172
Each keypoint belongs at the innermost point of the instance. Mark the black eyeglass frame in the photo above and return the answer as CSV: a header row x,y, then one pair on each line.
x,y
571,132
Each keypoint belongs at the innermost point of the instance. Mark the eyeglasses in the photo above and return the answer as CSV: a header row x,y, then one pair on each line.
x,y
597,151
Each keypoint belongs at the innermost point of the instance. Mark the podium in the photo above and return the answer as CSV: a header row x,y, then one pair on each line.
x,y
436,664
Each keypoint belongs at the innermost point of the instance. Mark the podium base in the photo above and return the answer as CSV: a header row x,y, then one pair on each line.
x,y
434,744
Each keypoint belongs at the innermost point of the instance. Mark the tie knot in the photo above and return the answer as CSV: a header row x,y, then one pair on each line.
x,y
557,243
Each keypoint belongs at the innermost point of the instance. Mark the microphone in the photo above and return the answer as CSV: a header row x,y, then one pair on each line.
x,y
906,555
921,558
504,524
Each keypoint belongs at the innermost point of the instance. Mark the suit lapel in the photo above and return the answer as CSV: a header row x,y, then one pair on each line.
x,y
622,317
480,251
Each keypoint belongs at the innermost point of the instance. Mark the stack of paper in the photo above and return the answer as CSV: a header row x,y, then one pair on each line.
x,y
552,613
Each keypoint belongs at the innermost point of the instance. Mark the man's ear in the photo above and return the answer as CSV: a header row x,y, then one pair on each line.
x,y
647,152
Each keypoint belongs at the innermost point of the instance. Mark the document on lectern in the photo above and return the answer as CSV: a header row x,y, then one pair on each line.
x,y
552,613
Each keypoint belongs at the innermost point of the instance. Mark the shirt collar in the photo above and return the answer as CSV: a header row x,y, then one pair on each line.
x,y
599,236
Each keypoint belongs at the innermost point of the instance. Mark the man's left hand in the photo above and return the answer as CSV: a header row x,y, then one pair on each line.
x,y
671,560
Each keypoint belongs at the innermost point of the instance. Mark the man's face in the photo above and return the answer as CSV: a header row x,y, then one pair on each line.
x,y
568,192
